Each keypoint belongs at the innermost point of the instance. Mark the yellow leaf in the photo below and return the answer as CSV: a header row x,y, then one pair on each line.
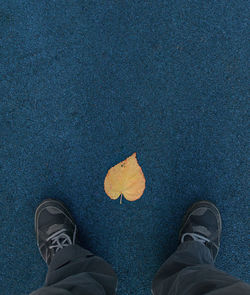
x,y
125,178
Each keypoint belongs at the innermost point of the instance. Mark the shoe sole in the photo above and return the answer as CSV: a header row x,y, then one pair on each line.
x,y
199,204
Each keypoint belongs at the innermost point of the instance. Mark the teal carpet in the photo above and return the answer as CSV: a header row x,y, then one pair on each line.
x,y
84,85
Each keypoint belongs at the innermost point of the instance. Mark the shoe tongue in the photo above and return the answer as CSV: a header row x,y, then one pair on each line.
x,y
54,228
46,231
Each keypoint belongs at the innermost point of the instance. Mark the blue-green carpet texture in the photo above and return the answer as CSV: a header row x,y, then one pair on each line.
x,y
85,84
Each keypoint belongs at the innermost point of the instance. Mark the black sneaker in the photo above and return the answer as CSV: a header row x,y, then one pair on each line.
x,y
202,223
55,228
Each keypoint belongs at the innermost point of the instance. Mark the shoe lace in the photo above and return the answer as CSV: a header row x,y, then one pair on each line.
x,y
59,240
199,238
195,237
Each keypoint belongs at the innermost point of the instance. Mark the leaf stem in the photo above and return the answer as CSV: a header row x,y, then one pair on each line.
x,y
121,199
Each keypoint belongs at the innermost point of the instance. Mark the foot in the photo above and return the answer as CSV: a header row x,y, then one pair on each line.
x,y
202,223
55,228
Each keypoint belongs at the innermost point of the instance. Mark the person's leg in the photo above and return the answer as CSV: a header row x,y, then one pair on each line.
x,y
72,270
190,270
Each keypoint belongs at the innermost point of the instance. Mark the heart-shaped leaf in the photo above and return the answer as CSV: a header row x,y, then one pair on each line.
x,y
125,178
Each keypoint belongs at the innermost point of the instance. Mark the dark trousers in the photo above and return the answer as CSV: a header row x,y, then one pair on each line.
x,y
189,271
